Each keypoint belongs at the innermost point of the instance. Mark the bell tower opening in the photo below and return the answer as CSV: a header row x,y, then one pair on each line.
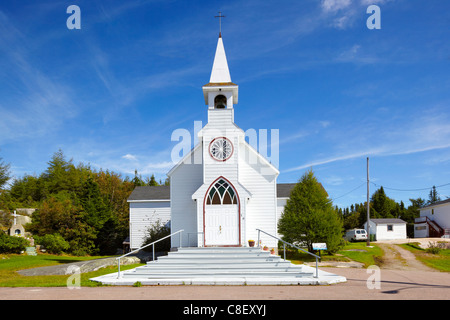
x,y
220,102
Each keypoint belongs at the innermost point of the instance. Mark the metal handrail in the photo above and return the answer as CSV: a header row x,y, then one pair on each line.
x,y
153,243
284,249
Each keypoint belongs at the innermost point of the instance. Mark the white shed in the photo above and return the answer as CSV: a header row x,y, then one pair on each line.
x,y
387,229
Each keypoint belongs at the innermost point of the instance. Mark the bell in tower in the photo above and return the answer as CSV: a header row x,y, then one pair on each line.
x,y
220,102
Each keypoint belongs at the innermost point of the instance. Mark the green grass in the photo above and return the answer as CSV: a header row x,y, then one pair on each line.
x,y
351,252
439,261
358,251
10,264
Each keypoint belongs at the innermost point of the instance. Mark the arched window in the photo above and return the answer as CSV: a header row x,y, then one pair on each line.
x,y
220,102
221,193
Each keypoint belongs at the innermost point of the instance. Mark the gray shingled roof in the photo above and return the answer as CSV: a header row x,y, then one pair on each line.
x,y
382,221
436,203
284,189
150,193
163,192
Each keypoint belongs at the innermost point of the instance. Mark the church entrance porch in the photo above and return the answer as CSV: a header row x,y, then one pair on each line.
x,y
221,218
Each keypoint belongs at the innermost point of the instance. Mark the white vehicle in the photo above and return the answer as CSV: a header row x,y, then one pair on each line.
x,y
356,235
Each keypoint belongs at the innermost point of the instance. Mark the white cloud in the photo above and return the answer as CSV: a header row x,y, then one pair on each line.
x,y
334,5
414,134
129,157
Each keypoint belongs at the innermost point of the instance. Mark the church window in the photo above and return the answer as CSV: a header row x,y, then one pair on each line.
x,y
220,102
221,149
221,193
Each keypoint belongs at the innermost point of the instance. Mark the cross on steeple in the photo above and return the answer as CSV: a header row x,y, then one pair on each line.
x,y
220,16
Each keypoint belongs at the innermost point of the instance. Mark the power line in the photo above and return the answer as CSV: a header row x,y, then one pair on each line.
x,y
388,188
420,189
349,191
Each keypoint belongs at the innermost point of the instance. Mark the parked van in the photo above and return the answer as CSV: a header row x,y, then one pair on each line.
x,y
356,235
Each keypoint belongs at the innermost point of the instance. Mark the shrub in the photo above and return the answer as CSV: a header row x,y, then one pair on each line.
x,y
12,244
53,243
156,232
435,247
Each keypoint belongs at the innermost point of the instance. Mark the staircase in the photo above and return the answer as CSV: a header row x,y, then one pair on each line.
x,y
221,266
214,265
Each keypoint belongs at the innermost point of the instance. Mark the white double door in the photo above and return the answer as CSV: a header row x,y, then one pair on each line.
x,y
222,225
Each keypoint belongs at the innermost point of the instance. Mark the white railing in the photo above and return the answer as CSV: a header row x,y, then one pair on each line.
x,y
147,245
292,245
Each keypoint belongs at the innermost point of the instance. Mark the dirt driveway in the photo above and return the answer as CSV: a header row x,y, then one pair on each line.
x,y
397,258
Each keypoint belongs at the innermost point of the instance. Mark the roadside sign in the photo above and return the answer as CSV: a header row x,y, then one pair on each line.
x,y
319,246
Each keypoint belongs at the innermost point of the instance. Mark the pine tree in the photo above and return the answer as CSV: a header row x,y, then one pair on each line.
x,y
433,196
309,216
4,173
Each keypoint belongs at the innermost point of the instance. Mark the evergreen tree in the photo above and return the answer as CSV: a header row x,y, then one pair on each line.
x,y
152,181
433,196
382,206
4,173
309,216
137,180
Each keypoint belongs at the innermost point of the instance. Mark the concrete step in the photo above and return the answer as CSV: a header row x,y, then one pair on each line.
x,y
220,274
206,259
218,263
228,265
199,268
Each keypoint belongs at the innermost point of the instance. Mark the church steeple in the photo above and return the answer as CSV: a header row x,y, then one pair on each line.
x,y
220,72
220,82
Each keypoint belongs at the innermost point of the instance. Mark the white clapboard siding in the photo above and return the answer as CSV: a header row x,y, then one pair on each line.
x,y
220,118
281,203
143,215
261,209
184,181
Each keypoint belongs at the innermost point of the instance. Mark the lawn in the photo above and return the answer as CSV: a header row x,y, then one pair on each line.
x,y
439,261
11,263
357,251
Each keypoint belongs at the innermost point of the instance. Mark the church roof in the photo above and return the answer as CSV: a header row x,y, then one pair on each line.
x,y
150,193
220,72
284,189
162,193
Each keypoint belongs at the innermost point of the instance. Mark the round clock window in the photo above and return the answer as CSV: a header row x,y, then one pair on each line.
x,y
221,149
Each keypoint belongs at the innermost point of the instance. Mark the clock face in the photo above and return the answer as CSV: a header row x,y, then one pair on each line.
x,y
221,149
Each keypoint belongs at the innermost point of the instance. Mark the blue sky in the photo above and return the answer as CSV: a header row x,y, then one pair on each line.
x,y
112,93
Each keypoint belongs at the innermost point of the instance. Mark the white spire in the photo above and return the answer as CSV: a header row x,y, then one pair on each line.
x,y
220,72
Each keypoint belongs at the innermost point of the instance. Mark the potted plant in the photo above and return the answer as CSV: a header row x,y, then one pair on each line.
x,y
265,248
251,243
272,251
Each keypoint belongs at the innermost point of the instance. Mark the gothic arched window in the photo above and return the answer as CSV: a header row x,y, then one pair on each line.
x,y
221,193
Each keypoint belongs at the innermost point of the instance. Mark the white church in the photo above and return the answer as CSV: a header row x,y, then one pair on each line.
x,y
223,190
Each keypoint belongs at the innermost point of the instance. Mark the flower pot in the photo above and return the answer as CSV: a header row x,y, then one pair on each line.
x,y
251,243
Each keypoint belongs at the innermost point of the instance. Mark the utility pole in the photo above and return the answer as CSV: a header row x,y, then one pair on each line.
x,y
368,205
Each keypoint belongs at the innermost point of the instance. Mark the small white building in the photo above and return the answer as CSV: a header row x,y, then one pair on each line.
x,y
387,229
434,221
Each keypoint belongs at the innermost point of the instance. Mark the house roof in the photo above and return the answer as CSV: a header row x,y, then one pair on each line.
x,y
162,193
383,221
437,203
